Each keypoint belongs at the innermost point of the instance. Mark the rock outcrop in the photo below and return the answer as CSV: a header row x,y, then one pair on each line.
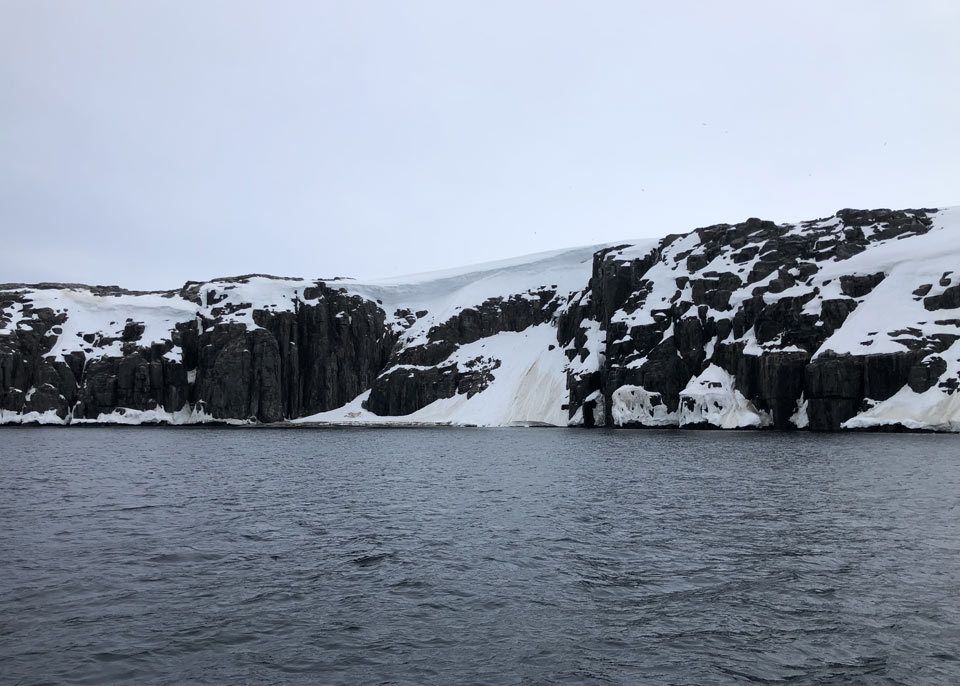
x,y
768,305
851,321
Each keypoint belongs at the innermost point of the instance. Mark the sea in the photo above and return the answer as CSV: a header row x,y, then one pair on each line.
x,y
152,555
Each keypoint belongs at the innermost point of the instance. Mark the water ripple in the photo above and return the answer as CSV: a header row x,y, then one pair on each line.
x,y
157,556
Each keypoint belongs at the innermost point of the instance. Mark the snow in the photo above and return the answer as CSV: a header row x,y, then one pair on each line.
x,y
106,316
13,317
754,348
443,294
48,417
594,346
636,405
121,415
712,399
529,388
891,306
636,250
235,301
186,415
932,410
661,277
799,418
598,412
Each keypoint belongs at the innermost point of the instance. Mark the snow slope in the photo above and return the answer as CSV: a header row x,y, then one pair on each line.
x,y
527,390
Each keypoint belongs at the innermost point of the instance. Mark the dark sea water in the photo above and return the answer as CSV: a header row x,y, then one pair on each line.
x,y
150,555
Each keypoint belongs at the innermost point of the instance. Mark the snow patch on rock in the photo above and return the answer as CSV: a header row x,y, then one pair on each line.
x,y
635,405
711,399
528,388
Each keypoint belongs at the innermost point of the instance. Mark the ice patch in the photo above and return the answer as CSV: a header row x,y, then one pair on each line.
x,y
636,405
799,418
712,399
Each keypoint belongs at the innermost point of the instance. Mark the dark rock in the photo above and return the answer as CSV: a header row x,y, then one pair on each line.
x,y
857,286
835,312
403,391
925,374
496,315
836,385
132,331
947,300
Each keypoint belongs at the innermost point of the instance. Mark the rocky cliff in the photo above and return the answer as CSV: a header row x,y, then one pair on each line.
x,y
846,322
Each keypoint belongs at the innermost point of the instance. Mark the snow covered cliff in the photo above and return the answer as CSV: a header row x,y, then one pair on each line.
x,y
847,322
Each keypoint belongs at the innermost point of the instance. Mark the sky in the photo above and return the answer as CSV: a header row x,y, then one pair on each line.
x,y
148,143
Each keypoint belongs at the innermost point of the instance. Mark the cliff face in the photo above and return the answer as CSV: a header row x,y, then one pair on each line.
x,y
758,324
851,321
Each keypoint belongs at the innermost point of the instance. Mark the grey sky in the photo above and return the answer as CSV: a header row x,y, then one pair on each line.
x,y
146,143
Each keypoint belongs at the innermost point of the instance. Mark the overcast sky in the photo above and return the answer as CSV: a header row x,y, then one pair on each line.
x,y
147,143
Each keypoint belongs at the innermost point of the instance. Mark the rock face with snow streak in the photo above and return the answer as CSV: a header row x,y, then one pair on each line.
x,y
851,321
831,317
